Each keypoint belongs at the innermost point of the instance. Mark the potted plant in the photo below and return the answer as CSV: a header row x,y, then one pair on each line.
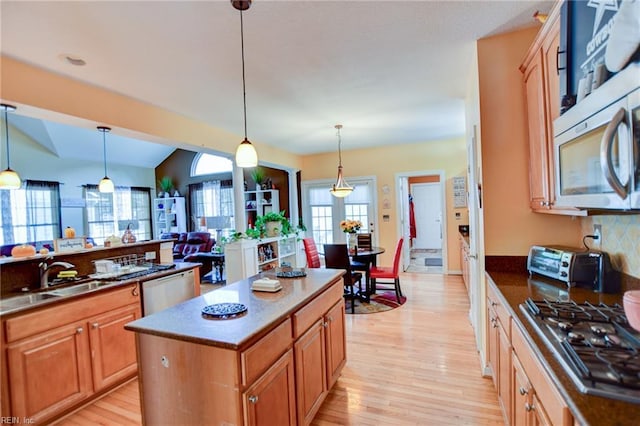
x,y
166,185
273,224
258,177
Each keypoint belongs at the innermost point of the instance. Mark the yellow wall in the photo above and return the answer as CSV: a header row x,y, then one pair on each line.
x,y
41,94
384,162
510,226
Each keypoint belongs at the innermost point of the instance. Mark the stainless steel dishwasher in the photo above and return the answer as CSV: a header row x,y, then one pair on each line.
x,y
162,293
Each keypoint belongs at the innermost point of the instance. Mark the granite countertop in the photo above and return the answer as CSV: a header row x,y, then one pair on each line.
x,y
264,311
4,311
516,287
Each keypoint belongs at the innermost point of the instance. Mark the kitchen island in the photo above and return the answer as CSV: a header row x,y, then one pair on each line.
x,y
197,370
511,288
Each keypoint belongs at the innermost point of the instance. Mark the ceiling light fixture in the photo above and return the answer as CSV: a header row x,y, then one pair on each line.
x,y
341,188
9,179
106,184
246,155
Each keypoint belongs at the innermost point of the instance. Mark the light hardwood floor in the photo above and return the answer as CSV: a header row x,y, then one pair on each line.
x,y
413,365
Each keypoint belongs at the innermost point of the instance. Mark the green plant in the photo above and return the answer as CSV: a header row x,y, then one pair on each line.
x,y
285,225
258,175
166,184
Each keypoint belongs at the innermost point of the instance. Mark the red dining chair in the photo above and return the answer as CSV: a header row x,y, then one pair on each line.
x,y
389,273
311,251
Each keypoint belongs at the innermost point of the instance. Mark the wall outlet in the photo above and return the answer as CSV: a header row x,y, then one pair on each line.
x,y
597,230
150,255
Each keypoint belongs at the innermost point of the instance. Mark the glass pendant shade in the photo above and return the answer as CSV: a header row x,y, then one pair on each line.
x,y
341,188
106,184
9,179
246,155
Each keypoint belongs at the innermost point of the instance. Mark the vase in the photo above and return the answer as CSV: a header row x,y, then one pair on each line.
x,y
272,229
352,243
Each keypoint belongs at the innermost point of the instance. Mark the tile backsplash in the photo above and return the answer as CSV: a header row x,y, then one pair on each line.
x,y
620,238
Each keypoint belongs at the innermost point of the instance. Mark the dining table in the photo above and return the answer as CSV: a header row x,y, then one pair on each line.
x,y
368,257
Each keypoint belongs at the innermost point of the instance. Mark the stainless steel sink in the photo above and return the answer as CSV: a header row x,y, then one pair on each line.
x,y
26,300
79,288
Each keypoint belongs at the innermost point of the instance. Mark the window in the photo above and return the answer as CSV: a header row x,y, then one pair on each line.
x,y
212,203
110,214
206,164
30,214
323,212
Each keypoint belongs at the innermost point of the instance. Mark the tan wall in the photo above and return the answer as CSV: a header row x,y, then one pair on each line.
x,y
384,163
509,225
41,94
620,238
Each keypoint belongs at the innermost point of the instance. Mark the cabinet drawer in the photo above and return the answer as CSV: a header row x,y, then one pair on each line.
x,y
498,306
305,317
554,405
40,320
259,357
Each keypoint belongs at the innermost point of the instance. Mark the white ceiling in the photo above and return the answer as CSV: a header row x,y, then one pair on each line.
x,y
389,71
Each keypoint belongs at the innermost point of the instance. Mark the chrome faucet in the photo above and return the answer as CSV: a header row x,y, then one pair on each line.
x,y
45,268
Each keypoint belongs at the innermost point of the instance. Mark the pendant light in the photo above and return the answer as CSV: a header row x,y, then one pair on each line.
x,y
106,184
9,179
341,188
246,155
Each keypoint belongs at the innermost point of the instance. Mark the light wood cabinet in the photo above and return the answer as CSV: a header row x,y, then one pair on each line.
x,y
49,372
541,84
271,399
527,394
113,349
336,338
60,356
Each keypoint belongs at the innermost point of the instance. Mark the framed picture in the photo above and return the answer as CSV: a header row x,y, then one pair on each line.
x,y
64,245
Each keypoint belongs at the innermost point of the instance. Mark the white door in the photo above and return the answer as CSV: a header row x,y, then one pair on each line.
x,y
427,207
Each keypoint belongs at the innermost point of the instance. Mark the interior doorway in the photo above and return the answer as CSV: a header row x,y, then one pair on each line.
x,y
423,221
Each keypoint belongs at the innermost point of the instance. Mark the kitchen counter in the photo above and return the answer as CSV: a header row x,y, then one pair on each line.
x,y
264,311
515,288
6,309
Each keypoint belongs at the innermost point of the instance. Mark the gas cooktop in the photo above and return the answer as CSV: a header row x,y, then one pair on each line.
x,y
594,343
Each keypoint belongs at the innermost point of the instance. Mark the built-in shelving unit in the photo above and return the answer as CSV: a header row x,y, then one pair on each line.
x,y
257,203
169,215
245,258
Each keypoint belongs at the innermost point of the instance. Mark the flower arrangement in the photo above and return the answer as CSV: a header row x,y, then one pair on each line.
x,y
350,226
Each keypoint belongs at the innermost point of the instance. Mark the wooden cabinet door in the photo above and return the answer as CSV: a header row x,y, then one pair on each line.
x,y
550,47
49,372
311,376
336,342
492,340
538,147
539,416
521,403
113,349
271,400
504,370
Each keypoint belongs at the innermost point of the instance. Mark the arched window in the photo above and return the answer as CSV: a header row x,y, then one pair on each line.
x,y
207,164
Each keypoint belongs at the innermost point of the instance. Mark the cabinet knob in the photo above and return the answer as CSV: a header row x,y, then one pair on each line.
x,y
522,391
95,325
528,407
325,324
253,399
494,304
79,330
330,318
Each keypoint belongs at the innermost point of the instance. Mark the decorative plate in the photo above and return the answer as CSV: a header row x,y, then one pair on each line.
x,y
224,310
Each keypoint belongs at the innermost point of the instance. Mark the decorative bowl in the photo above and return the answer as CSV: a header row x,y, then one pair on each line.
x,y
631,303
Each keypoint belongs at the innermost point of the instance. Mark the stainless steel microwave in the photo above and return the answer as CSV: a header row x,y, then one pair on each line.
x,y
597,147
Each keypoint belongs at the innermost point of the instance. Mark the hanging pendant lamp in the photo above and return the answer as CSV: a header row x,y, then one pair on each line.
x,y
341,188
106,184
9,179
246,155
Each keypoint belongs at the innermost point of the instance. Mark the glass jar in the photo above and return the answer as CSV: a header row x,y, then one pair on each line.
x,y
352,242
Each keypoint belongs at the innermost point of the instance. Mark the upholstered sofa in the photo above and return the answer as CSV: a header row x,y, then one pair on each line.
x,y
192,247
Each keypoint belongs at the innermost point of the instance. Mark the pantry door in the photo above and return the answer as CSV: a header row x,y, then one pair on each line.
x,y
427,202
